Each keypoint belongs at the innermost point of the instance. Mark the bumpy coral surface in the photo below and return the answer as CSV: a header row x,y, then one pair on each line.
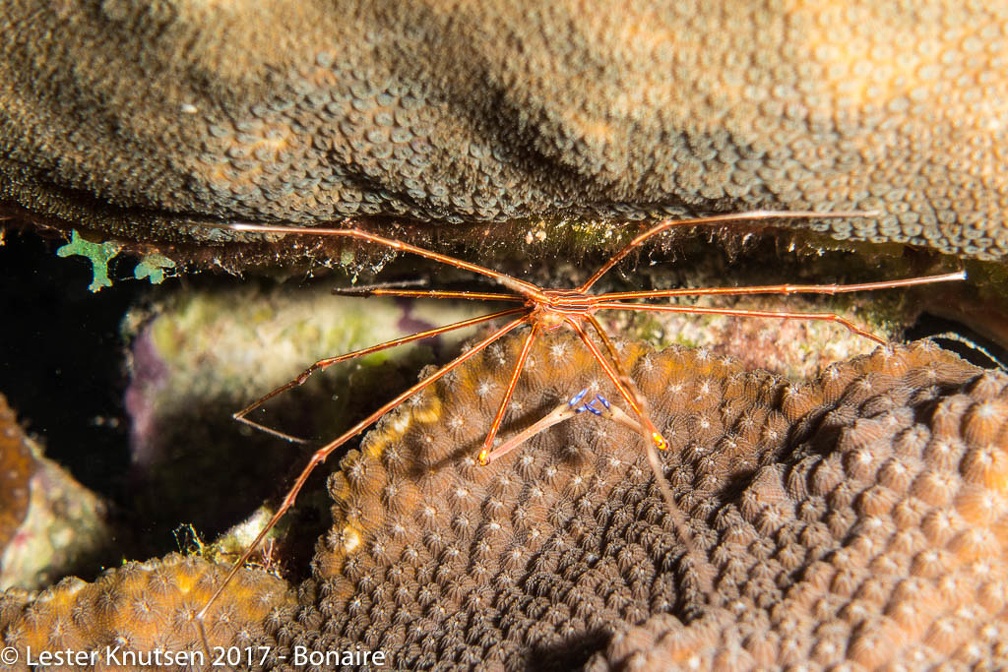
x,y
858,519
131,119
144,610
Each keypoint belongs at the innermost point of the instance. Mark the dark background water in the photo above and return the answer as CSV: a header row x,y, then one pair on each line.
x,y
62,363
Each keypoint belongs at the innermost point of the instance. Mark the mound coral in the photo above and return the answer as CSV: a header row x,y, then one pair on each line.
x,y
858,519
139,609
132,120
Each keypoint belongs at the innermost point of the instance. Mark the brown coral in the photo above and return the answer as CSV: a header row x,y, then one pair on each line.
x,y
49,523
142,610
858,518
131,119
17,464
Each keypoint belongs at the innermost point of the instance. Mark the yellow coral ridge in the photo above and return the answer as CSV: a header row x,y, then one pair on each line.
x,y
141,608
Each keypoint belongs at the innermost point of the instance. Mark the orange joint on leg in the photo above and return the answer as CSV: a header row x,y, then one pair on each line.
x,y
483,459
659,441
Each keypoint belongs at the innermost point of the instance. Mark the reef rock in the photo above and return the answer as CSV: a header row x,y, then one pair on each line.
x,y
50,524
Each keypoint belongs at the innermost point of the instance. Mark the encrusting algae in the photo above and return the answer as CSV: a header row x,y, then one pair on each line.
x,y
17,465
50,524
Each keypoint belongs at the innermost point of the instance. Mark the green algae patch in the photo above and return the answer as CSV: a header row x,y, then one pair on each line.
x,y
99,254
152,267
155,268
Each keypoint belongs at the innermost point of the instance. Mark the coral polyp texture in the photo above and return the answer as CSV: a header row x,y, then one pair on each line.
x,y
859,519
132,120
138,609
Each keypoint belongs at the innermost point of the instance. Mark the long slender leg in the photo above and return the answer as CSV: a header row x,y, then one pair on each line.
x,y
428,294
483,458
653,442
738,312
329,361
524,288
714,219
639,407
599,406
562,412
613,369
830,289
322,453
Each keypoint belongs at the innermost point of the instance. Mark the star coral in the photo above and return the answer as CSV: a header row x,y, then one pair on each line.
x,y
858,519
141,607
131,119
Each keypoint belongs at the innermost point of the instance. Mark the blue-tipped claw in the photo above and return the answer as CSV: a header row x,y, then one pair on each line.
x,y
577,398
590,406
